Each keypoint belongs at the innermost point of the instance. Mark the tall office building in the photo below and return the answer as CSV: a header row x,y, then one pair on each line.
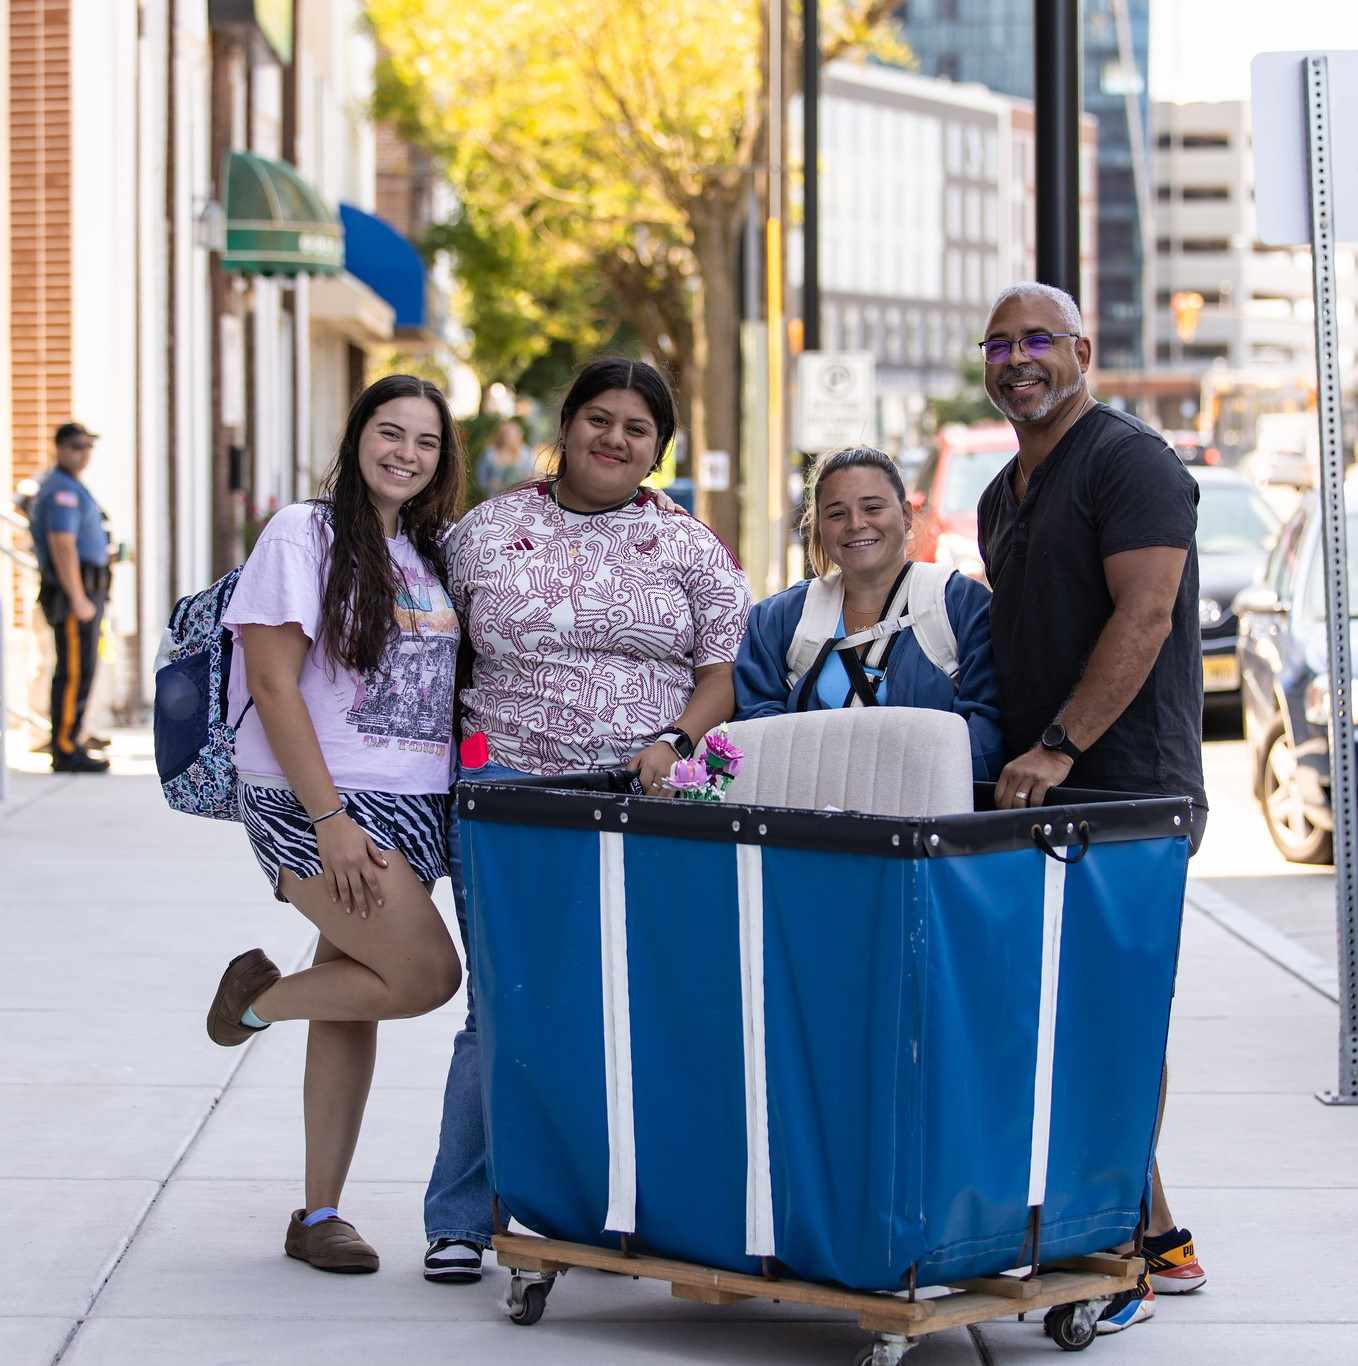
x,y
927,191
991,42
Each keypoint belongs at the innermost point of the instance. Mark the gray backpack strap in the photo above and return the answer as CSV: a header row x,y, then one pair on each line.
x,y
918,605
928,609
819,620
895,618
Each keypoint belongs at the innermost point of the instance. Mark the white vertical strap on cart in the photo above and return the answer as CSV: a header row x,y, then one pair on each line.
x,y
1053,904
622,1150
758,1179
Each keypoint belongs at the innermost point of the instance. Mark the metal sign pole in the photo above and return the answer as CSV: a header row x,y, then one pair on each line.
x,y
1343,798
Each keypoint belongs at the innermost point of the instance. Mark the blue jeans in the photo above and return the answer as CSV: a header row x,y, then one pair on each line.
x,y
457,1200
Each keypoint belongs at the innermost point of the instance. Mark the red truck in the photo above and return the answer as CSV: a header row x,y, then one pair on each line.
x,y
963,461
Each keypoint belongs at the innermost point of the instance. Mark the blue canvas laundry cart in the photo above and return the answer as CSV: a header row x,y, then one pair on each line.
x,y
856,1052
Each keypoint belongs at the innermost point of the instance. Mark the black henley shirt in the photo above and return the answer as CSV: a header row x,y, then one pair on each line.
x,y
1111,485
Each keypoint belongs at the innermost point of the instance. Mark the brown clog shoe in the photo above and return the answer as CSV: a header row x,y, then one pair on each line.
x,y
244,980
331,1245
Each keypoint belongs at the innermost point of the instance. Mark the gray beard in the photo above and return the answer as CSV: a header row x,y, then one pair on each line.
x,y
1055,398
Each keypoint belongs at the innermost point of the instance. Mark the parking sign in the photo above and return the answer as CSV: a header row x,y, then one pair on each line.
x,y
836,400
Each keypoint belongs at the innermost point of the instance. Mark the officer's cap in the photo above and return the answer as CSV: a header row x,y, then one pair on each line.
x,y
70,431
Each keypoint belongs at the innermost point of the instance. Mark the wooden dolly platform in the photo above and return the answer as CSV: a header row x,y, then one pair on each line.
x,y
1074,1292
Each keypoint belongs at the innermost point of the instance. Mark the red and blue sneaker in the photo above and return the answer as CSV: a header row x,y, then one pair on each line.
x,y
1128,1308
1171,1263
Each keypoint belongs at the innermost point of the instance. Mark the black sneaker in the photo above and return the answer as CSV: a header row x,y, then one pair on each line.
x,y
78,762
455,1263
1128,1308
1172,1264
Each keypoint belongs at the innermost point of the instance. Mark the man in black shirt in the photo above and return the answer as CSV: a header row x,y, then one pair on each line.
x,y
1087,536
1088,541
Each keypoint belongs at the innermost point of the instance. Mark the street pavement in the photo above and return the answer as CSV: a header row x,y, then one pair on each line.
x,y
146,1176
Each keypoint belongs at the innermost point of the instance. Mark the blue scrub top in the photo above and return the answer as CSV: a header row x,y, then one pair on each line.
x,y
833,686
64,504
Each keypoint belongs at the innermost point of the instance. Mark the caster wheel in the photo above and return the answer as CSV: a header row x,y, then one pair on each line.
x,y
527,1301
882,1354
1068,1328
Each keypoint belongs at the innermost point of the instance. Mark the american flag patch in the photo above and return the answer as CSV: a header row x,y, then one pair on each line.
x,y
66,498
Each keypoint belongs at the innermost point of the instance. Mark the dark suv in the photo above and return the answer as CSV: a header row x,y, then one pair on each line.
x,y
1236,530
1285,683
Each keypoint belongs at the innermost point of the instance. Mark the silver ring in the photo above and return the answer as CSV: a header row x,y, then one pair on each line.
x,y
1022,796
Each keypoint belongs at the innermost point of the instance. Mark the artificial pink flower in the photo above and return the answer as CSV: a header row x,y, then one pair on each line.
x,y
721,744
724,759
687,775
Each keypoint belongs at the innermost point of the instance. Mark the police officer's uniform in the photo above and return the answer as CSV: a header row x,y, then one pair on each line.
x,y
64,504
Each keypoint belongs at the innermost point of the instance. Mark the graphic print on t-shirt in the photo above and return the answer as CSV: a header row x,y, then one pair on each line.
x,y
408,698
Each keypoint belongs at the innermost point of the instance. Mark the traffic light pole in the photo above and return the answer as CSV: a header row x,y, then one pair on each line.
x,y
811,175
1057,99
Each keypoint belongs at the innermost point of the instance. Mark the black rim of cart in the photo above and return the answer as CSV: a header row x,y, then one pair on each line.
x,y
1071,820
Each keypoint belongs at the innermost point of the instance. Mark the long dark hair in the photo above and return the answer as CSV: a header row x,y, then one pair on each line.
x,y
617,372
358,603
851,458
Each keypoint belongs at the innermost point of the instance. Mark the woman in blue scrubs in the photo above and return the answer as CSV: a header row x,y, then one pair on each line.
x,y
857,524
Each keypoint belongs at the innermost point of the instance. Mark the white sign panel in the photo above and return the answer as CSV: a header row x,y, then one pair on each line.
x,y
714,471
1282,195
836,400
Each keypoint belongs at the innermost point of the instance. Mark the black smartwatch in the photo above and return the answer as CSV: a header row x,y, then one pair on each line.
x,y
1055,737
677,740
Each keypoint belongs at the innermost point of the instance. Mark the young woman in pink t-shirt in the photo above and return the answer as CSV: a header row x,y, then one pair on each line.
x,y
346,646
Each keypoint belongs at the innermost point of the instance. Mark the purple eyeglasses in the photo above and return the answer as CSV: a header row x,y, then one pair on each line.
x,y
998,350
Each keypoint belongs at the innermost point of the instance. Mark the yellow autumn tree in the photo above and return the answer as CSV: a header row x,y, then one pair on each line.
x,y
617,137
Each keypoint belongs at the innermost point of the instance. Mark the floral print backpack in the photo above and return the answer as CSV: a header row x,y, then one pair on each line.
x,y
195,740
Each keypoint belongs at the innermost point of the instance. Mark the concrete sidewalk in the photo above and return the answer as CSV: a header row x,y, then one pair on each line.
x,y
146,1176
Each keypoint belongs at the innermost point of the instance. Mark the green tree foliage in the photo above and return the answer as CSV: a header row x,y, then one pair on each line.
x,y
968,405
519,304
603,152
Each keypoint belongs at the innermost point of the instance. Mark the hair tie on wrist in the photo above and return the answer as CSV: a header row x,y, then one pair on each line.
x,y
338,811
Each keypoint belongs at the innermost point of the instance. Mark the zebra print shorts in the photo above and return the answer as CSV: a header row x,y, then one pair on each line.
x,y
281,835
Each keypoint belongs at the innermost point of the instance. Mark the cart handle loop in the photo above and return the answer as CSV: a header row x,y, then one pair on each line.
x,y
1047,847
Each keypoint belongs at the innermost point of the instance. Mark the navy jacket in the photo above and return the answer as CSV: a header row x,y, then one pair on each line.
x,y
911,680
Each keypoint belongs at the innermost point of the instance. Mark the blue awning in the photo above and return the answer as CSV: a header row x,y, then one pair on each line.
x,y
386,262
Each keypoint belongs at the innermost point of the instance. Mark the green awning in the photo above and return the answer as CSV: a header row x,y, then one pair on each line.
x,y
276,224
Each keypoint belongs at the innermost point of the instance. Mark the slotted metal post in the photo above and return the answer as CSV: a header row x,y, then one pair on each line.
x,y
1334,528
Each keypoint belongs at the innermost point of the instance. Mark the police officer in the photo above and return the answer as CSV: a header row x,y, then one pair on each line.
x,y
71,544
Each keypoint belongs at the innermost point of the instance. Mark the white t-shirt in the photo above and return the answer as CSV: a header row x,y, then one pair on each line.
x,y
387,731
587,627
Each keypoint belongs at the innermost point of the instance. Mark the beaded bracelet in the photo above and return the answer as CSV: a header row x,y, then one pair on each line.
x,y
338,811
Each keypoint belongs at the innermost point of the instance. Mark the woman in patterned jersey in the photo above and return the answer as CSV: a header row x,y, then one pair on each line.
x,y
603,628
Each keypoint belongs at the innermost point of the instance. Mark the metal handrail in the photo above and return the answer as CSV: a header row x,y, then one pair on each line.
x,y
22,558
25,561
29,718
28,564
